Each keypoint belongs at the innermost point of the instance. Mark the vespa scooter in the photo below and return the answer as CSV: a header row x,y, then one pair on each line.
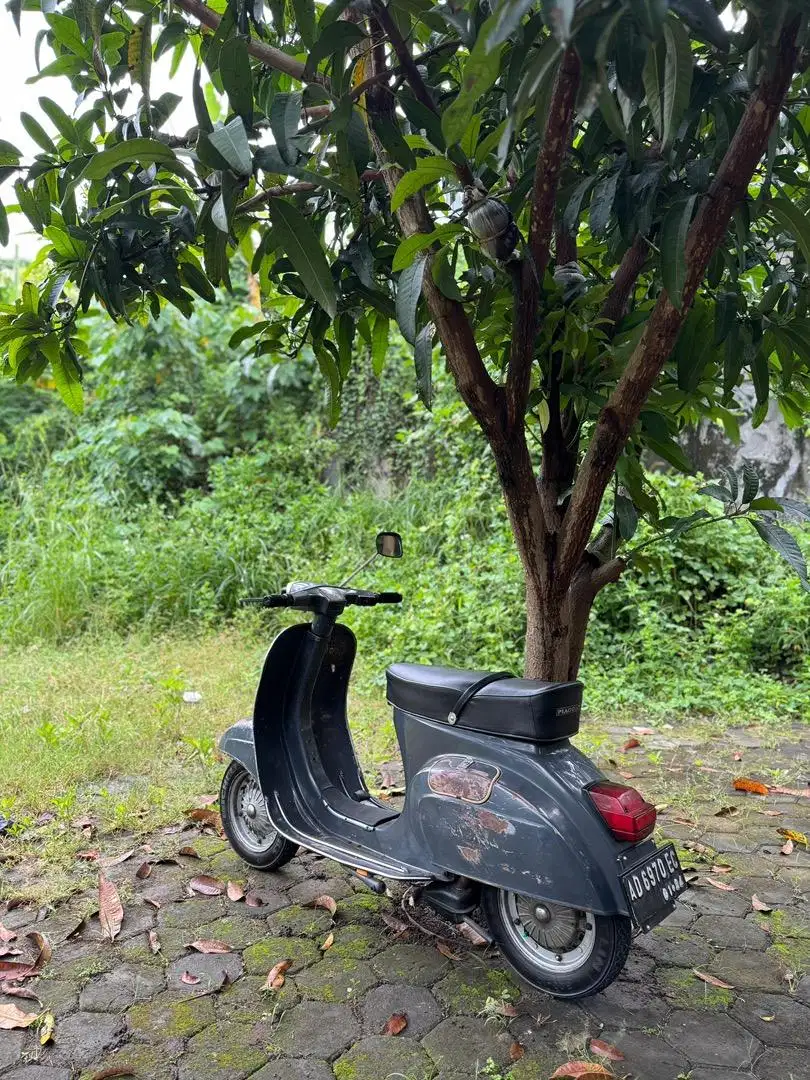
x,y
501,813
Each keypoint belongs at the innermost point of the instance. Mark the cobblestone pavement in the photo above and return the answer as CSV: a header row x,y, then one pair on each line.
x,y
123,1009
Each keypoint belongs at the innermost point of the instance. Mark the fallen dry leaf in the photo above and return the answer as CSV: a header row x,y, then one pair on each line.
x,y
328,942
325,902
154,941
737,755
631,744
206,817
605,1050
83,823
275,976
206,886
644,730
772,813
87,856
472,935
505,1009
581,1070
395,1024
11,1017
721,868
445,950
802,792
189,852
189,979
254,899
699,849
397,925
118,859
210,946
20,992
796,837
143,871
720,885
235,891
9,950
742,783
516,1051
768,1019
625,775
727,811
115,1070
786,848
110,908
711,980
757,905
6,934
46,1028
152,902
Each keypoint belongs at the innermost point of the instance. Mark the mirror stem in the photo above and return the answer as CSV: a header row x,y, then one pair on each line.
x,y
362,566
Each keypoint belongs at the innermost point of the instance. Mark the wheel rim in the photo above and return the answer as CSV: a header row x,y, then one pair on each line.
x,y
248,815
557,939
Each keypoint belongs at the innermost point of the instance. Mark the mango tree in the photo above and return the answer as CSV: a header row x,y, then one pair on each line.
x,y
594,208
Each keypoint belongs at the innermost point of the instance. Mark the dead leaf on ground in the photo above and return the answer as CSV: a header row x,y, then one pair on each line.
x,y
206,817
235,891
786,848
154,941
803,793
582,1070
115,1070
189,979
189,852
445,950
9,950
605,1050
208,946
768,1019
727,811
516,1051
206,885
83,823
796,837
720,885
254,899
505,1009
87,856
325,902
711,980
754,787
395,1024
118,859
699,849
152,902
721,868
757,905
644,730
21,992
397,925
772,813
625,775
46,1028
143,871
472,935
275,976
631,744
110,908
6,934
329,941
12,1017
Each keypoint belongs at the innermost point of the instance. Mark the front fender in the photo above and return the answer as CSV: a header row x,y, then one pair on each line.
x,y
532,834
238,743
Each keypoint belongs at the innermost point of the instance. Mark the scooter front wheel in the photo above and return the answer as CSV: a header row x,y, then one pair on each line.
x,y
564,952
247,823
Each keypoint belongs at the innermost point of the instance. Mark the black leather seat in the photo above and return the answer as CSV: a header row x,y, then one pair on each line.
x,y
519,708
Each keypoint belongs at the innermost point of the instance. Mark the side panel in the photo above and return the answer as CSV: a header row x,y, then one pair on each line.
x,y
237,742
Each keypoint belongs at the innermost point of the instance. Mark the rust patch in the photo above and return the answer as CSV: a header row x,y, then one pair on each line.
x,y
493,822
471,854
469,785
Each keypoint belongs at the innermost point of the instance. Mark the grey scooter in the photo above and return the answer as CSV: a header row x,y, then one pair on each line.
x,y
502,814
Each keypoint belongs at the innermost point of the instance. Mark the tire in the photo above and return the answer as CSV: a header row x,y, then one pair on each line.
x,y
572,954
251,834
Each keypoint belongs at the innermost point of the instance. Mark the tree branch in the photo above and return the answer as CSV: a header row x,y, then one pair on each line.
x,y
729,188
624,281
264,196
547,171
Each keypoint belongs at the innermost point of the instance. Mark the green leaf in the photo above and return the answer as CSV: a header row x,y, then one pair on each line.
x,y
704,22
231,141
797,223
198,100
379,343
237,78
750,483
653,77
559,14
305,20
408,248
674,230
602,200
650,16
731,480
480,72
329,369
409,289
196,280
4,233
9,155
60,120
38,133
302,246
757,359
509,16
285,114
338,37
764,502
65,375
670,451
423,363
142,151
677,80
427,171
626,516
785,545
716,491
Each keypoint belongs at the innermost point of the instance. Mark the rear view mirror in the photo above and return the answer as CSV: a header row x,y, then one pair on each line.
x,y
389,545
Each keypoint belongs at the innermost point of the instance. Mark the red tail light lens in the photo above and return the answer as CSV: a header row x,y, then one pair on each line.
x,y
624,810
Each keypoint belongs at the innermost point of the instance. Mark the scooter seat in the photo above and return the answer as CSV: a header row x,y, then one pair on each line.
x,y
517,708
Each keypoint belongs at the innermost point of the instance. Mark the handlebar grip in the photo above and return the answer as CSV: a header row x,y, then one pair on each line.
x,y
278,600
389,598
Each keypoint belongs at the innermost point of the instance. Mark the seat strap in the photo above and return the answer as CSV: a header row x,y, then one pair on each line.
x,y
471,691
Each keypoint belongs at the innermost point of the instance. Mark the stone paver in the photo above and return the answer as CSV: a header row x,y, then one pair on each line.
x,y
123,1006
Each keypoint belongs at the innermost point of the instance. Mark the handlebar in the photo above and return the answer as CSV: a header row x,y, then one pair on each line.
x,y
357,597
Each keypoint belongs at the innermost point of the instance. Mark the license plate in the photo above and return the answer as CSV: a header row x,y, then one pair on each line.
x,y
653,885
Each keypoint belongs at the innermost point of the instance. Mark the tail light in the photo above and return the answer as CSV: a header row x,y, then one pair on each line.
x,y
624,810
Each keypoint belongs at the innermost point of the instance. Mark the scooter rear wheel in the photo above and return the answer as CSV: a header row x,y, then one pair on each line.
x,y
564,952
247,823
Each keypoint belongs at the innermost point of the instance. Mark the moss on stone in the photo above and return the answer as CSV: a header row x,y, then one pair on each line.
x,y
686,991
173,1018
300,921
356,943
360,906
467,988
336,979
226,1046
156,1062
262,956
